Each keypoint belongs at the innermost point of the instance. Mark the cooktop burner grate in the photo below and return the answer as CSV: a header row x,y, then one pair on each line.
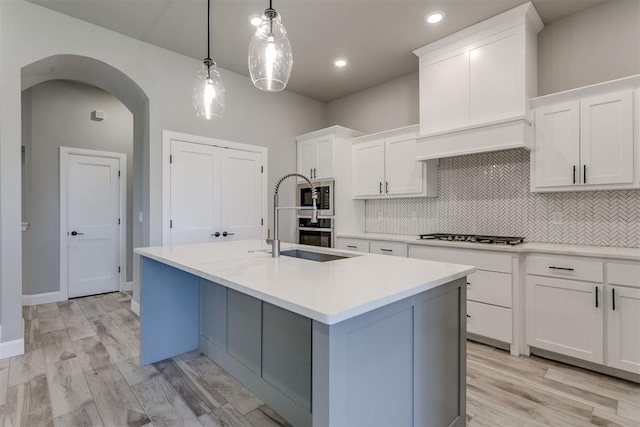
x,y
473,238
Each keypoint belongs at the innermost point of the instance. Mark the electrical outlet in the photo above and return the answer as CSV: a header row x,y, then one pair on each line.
x,y
556,218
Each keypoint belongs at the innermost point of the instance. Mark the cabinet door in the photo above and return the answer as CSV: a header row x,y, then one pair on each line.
x,y
566,317
403,174
606,134
306,158
325,148
496,78
195,192
241,195
623,335
557,146
368,169
444,92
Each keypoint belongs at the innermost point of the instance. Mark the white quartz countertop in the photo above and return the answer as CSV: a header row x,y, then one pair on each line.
x,y
328,292
610,252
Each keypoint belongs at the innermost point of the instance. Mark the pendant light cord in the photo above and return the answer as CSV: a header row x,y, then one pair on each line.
x,y
209,30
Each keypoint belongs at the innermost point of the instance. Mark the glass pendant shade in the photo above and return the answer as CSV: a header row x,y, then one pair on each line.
x,y
208,92
270,56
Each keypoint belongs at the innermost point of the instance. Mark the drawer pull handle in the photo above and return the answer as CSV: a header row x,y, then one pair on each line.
x,y
386,250
562,268
613,299
596,297
574,174
352,247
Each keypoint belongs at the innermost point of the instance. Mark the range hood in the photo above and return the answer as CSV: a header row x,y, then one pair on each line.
x,y
475,85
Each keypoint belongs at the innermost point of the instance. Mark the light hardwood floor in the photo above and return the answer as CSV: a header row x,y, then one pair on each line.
x,y
81,369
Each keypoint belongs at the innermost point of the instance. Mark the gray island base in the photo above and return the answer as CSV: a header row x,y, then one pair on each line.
x,y
402,364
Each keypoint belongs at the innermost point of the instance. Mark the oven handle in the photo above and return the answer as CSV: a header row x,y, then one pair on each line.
x,y
327,230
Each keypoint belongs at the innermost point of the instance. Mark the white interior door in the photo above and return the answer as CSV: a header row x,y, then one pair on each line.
x,y
93,225
241,195
195,193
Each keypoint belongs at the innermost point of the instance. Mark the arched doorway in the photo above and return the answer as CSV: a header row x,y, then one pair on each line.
x,y
92,72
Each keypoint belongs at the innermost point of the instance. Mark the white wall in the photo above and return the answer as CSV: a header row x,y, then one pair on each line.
x,y
390,105
60,115
598,44
29,33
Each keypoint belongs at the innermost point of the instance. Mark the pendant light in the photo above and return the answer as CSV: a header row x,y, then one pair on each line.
x,y
270,57
208,89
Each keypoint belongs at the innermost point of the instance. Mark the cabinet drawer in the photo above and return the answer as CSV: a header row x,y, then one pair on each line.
x,y
490,287
389,248
566,268
623,274
481,259
353,245
489,321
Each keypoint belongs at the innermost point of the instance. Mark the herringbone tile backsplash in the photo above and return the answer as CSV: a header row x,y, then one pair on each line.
x,y
489,194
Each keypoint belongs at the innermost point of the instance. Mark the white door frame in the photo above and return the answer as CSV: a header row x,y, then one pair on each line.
x,y
167,136
65,152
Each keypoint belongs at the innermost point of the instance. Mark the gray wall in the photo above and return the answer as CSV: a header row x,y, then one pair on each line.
x,y
390,105
60,115
598,44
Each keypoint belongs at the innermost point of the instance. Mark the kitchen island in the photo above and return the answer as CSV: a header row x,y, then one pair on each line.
x,y
361,340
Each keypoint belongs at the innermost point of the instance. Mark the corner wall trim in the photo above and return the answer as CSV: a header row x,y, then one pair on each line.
x,y
11,348
135,307
44,298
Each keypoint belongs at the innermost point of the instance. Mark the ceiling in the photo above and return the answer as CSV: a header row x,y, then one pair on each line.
x,y
376,37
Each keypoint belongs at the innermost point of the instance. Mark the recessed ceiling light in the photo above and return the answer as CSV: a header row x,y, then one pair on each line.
x,y
340,62
434,17
255,20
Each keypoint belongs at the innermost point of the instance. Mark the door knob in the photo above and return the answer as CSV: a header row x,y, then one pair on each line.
x,y
75,233
216,234
225,234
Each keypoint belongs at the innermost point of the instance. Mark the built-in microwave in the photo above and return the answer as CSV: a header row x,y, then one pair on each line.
x,y
325,198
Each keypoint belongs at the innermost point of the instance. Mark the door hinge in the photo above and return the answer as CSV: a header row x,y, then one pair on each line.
x,y
170,223
170,158
118,269
261,221
118,174
261,169
118,221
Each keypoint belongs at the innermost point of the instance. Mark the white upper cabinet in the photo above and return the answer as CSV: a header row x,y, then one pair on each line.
x,y
385,166
557,151
368,169
316,158
606,130
585,138
474,86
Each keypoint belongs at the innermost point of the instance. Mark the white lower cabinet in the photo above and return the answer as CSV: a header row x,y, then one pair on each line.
x,y
489,321
388,248
352,244
489,289
596,319
566,317
623,331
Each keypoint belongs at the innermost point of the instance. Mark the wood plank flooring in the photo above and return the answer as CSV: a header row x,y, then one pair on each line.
x,y
82,369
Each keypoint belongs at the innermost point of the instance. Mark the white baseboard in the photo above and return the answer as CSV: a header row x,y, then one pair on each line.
x,y
127,287
11,348
45,298
135,307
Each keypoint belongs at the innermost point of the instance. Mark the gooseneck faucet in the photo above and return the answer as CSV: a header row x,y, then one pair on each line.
x,y
275,243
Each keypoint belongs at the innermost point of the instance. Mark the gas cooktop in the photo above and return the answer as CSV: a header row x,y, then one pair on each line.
x,y
472,238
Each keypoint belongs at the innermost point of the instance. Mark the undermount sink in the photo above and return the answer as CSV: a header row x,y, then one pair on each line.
x,y
312,256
